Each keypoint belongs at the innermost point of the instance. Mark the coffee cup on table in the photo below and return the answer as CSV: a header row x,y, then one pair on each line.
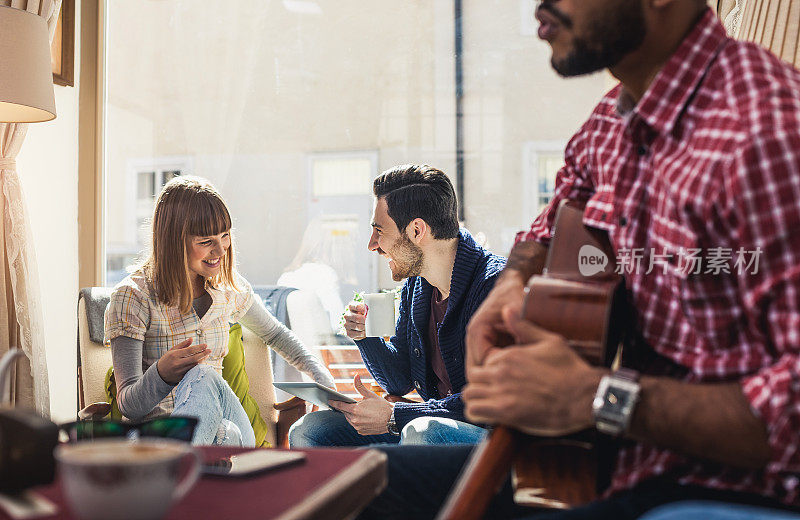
x,y
380,321
113,479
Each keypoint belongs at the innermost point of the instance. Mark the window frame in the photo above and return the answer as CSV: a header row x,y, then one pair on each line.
x,y
532,153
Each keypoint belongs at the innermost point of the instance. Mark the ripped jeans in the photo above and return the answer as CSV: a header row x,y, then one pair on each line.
x,y
202,393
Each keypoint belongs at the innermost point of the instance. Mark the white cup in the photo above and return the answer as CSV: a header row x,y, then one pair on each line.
x,y
116,479
380,321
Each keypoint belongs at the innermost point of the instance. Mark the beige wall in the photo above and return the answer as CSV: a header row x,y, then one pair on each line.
x,y
48,169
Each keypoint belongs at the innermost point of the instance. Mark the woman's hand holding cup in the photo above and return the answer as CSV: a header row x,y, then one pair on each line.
x,y
180,359
355,318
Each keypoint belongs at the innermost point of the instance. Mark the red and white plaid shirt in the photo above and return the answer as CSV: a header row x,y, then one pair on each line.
x,y
706,165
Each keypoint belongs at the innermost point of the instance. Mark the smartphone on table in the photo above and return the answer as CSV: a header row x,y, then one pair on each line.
x,y
252,462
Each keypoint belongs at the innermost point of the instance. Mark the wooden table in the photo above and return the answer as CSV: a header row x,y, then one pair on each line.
x,y
330,484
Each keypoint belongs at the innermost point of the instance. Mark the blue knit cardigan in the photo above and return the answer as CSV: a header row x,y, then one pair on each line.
x,y
400,364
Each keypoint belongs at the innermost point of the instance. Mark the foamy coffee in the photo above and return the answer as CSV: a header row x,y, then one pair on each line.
x,y
121,453
117,479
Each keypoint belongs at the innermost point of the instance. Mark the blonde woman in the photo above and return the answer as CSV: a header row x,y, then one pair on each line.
x,y
167,322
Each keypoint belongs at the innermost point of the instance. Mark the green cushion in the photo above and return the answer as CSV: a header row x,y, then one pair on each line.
x,y
232,371
110,387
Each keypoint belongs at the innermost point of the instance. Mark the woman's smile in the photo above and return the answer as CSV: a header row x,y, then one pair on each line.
x,y
212,262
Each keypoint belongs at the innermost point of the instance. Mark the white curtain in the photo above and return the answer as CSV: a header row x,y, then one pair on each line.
x,y
730,13
21,321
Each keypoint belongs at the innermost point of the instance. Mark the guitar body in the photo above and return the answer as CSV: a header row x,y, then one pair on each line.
x,y
562,472
578,296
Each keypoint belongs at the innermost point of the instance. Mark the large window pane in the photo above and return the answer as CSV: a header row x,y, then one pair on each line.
x,y
292,107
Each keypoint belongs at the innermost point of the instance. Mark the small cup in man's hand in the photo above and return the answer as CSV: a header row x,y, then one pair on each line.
x,y
380,319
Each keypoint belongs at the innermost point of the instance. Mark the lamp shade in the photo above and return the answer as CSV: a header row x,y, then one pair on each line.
x,y
26,80
774,24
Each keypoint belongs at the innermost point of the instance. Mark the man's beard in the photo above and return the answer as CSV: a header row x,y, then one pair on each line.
x,y
407,258
610,39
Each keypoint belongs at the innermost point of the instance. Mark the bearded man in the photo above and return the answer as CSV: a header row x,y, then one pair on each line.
x,y
447,275
695,153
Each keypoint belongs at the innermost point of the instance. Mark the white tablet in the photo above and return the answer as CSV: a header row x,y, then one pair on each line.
x,y
313,392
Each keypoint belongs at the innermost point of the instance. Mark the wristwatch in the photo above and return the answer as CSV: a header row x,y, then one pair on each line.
x,y
615,401
392,425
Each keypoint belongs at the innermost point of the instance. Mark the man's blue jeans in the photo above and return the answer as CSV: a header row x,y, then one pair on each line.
x,y
330,428
202,393
701,510
420,479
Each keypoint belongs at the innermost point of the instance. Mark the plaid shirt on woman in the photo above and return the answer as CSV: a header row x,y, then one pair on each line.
x,y
698,186
134,311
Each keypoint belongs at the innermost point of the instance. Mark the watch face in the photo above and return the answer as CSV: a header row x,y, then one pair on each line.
x,y
617,400
614,403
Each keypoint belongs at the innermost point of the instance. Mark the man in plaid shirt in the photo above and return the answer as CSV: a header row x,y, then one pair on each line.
x,y
694,156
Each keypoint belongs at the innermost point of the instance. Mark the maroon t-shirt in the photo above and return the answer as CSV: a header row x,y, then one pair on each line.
x,y
438,308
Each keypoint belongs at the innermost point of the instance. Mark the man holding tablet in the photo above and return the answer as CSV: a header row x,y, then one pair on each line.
x,y
447,275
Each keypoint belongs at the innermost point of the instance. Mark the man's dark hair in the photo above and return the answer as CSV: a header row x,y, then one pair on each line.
x,y
419,191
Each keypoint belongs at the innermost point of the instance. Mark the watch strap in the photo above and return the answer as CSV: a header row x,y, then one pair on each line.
x,y
391,426
627,374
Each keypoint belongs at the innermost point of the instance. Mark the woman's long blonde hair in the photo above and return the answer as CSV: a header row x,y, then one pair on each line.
x,y
187,206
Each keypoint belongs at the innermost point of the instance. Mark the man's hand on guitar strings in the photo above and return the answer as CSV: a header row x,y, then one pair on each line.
x,y
486,329
541,386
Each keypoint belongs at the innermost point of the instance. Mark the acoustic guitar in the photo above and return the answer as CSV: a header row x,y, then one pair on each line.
x,y
580,297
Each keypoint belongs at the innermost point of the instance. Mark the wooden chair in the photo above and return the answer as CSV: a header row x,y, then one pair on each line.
x,y
94,359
